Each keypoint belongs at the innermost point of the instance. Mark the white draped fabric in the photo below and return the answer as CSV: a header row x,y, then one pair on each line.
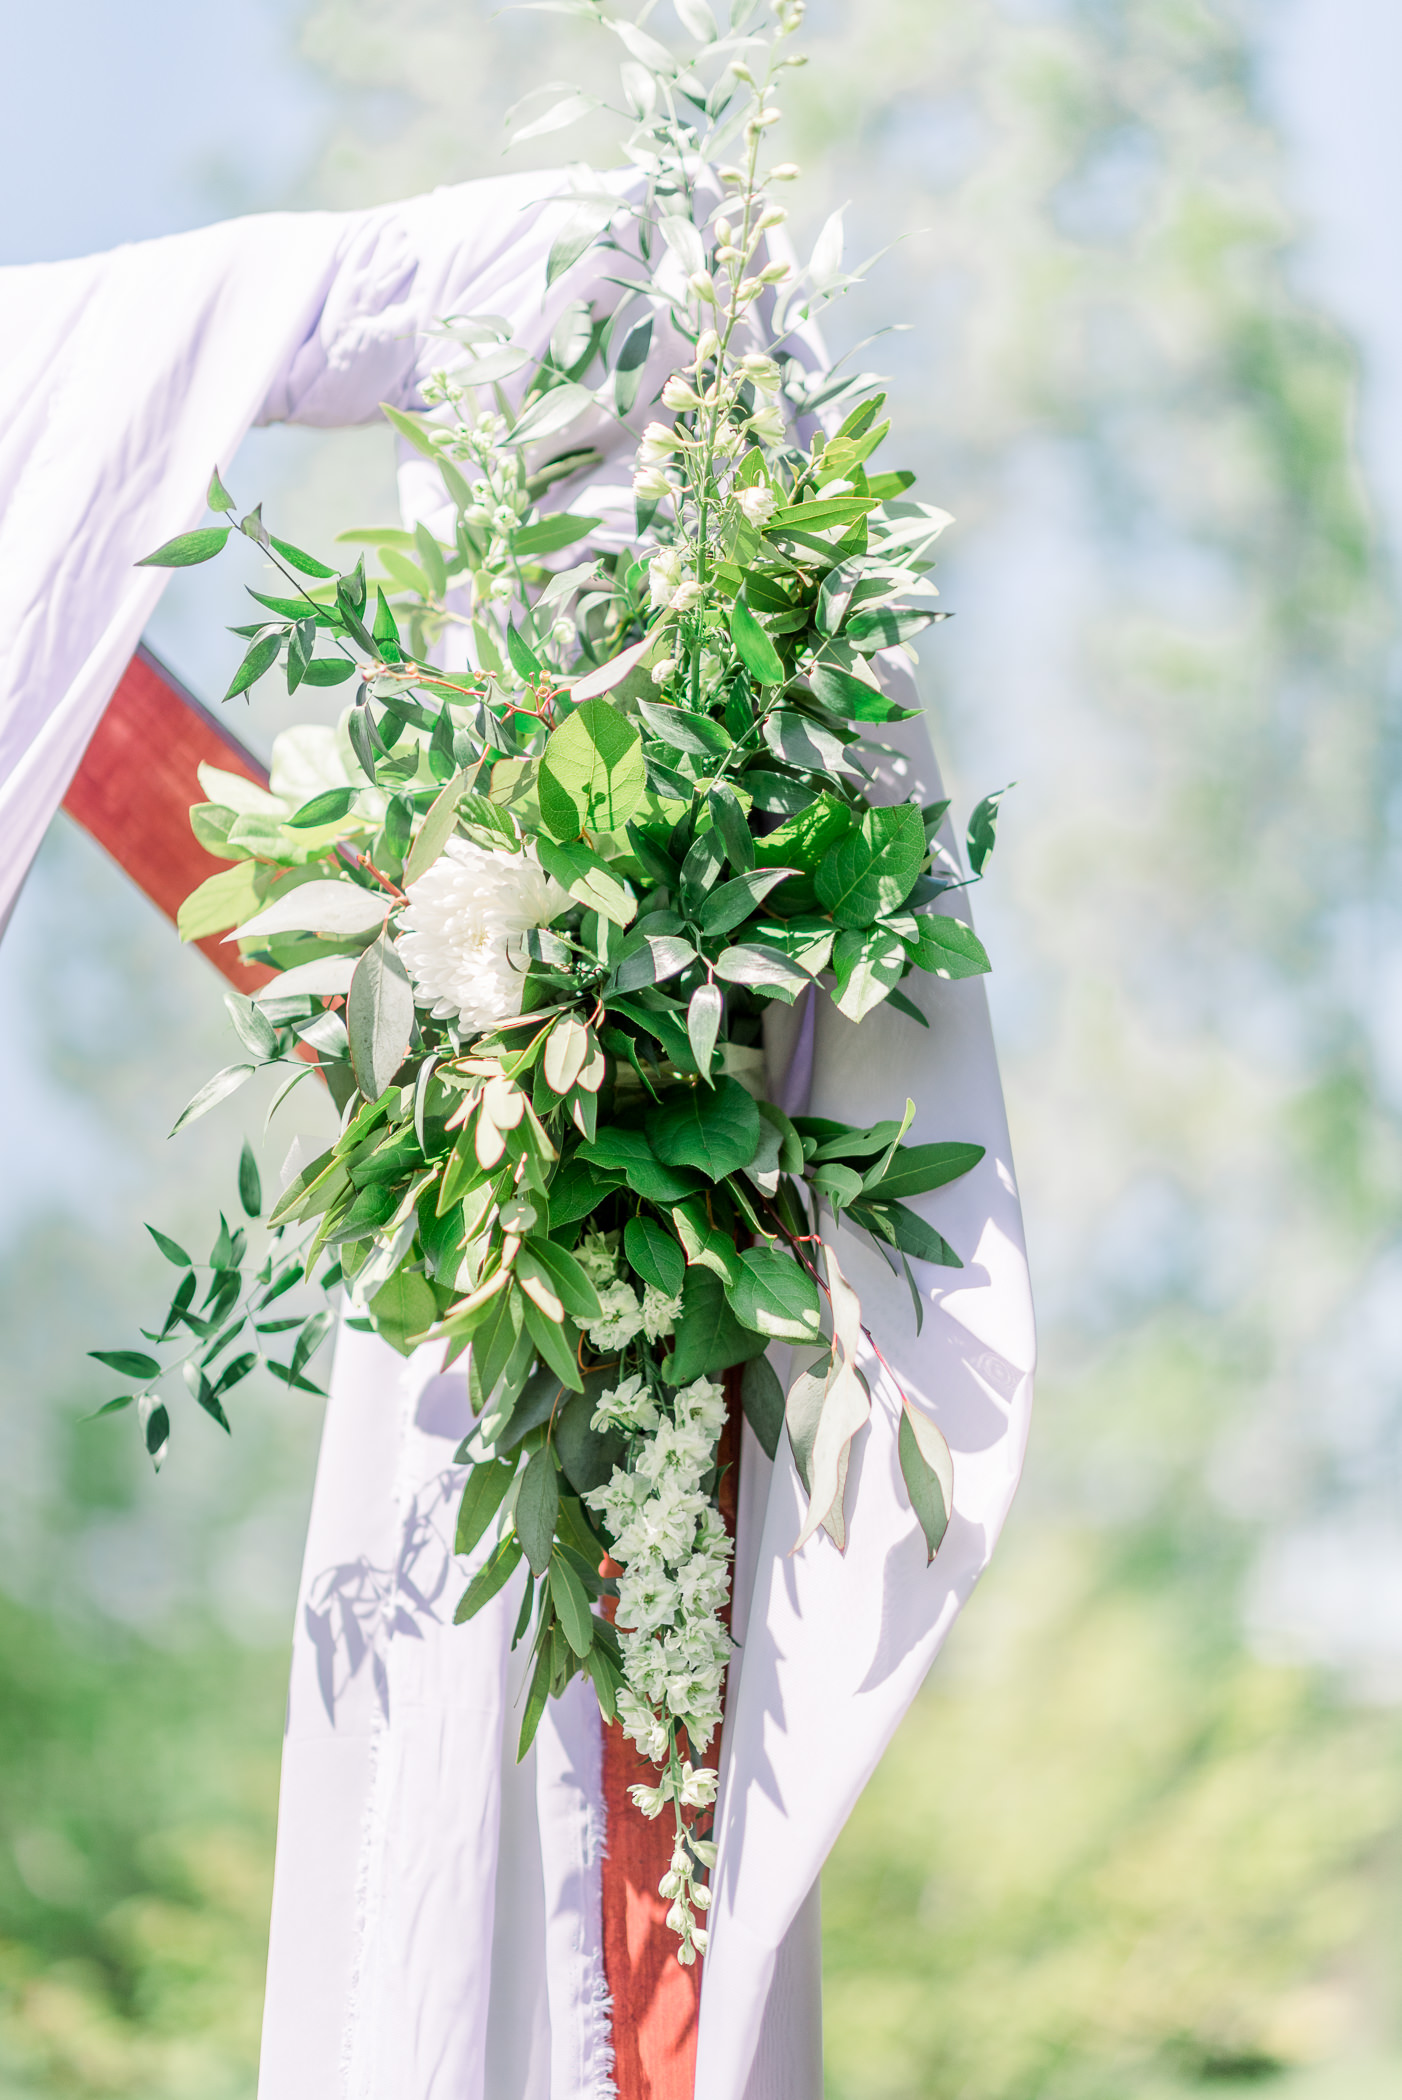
x,y
436,1918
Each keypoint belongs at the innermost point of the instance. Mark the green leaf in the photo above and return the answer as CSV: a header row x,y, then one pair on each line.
x,y
550,413
905,1229
261,654
762,1398
850,696
577,1190
630,1153
221,901
567,1592
628,370
255,1031
867,967
704,1243
593,763
818,517
731,822
187,548
553,1264
947,948
554,1342
524,660
218,497
983,825
379,1016
171,1249
580,231
588,876
808,837
307,563
328,808
537,1504
538,1694
587,1455
212,1093
753,963
250,1183
928,1469
552,533
872,869
654,1254
684,731
131,1363
883,628
915,1169
313,1334
494,1575
756,652
715,1129
842,1185
329,670
703,1017
649,958
734,901
403,1309
482,1496
776,1297
157,1433
436,830
708,1339
793,737
110,1407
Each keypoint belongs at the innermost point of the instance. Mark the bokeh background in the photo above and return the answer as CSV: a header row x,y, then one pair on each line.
x,y
1141,1837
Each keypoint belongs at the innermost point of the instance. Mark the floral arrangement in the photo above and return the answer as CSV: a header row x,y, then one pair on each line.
x,y
526,918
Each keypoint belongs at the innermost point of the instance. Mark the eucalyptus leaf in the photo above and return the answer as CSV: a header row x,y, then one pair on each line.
x,y
776,1297
715,1129
379,1017
928,1470
762,1398
537,1501
654,1254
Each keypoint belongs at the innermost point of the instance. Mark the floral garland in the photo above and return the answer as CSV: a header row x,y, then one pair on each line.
x,y
527,916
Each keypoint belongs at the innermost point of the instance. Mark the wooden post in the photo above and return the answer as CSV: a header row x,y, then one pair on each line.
x,y
135,786
133,793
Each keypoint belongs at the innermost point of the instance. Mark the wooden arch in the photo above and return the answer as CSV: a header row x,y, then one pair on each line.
x,y
132,793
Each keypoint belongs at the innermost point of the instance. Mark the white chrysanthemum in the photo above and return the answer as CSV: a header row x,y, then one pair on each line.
x,y
461,936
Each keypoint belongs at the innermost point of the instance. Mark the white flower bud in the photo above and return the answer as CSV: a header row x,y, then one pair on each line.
x,y
699,1938
775,216
663,671
758,505
678,393
701,284
707,347
701,1896
774,273
787,171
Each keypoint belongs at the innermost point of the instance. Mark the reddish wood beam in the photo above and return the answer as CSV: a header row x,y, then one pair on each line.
x,y
134,788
